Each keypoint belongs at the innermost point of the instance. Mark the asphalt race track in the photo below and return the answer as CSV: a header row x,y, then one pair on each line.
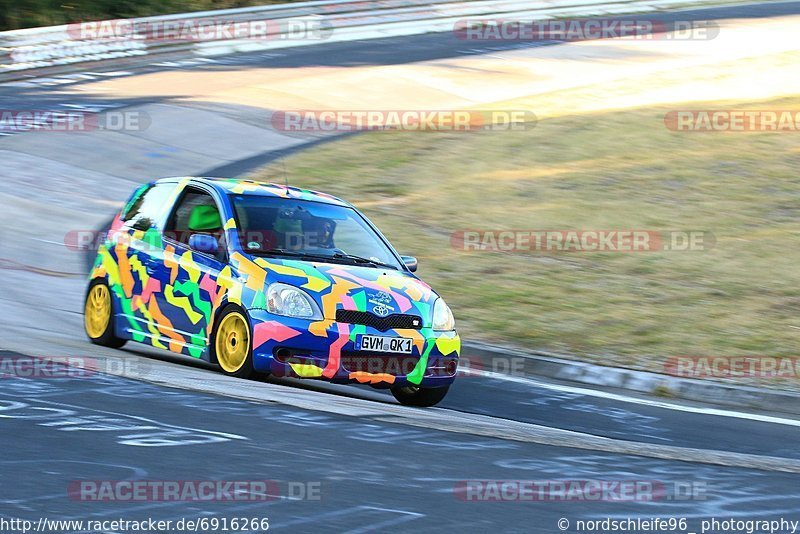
x,y
360,472
342,458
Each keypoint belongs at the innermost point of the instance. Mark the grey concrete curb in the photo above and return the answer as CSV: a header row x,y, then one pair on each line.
x,y
513,361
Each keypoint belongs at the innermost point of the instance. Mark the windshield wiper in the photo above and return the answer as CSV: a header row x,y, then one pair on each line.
x,y
291,253
324,257
360,259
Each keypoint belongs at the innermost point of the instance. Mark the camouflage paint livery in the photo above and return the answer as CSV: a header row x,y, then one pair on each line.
x,y
168,296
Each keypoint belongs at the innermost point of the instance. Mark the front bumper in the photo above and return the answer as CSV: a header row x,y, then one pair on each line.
x,y
327,350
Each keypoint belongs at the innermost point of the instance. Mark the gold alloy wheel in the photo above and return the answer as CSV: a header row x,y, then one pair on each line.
x,y
232,342
97,311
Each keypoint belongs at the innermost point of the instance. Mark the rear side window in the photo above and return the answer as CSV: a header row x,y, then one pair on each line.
x,y
146,210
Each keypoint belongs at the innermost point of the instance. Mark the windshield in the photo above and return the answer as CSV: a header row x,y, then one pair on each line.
x,y
272,226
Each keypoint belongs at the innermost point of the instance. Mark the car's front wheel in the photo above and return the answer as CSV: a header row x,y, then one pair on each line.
x,y
231,343
98,316
417,396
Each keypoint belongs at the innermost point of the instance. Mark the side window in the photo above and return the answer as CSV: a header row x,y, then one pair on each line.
x,y
196,213
147,208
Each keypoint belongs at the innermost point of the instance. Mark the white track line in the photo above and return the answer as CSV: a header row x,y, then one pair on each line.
x,y
644,402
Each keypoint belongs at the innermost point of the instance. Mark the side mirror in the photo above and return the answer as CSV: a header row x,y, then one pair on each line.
x,y
204,243
143,224
410,262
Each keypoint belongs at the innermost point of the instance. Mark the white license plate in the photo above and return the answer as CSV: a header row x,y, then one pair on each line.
x,y
385,344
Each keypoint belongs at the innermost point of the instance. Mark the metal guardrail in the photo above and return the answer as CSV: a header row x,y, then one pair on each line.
x,y
59,49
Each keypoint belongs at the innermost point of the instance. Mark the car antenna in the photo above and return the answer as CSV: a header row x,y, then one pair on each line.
x,y
285,176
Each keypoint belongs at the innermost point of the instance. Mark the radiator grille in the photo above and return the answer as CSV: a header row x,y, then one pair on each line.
x,y
396,320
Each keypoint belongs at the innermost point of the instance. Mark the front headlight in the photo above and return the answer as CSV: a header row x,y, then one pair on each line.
x,y
283,299
442,316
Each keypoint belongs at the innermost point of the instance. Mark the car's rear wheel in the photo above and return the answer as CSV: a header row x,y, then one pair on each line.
x,y
232,345
98,316
417,396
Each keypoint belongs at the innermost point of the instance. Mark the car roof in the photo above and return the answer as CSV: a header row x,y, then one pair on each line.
x,y
252,187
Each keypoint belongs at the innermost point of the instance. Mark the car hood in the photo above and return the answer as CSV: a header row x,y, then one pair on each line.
x,y
381,291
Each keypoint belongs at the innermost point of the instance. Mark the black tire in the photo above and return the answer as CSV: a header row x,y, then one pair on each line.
x,y
246,369
420,397
107,338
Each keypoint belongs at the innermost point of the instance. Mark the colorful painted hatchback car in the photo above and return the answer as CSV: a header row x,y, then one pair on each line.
x,y
260,277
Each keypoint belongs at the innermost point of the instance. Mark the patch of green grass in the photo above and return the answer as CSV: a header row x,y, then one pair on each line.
x,y
620,170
